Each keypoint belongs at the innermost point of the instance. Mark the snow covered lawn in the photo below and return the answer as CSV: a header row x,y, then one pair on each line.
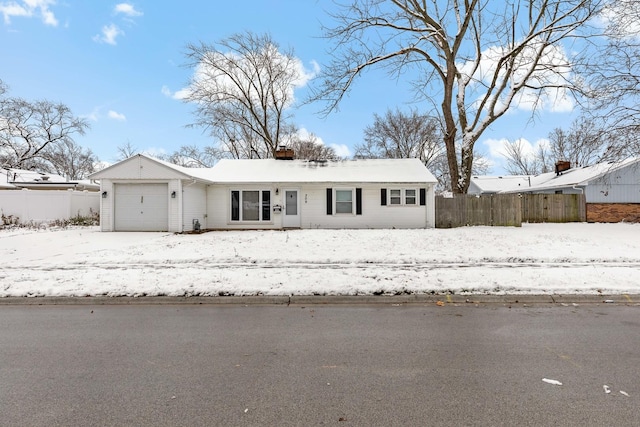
x,y
534,259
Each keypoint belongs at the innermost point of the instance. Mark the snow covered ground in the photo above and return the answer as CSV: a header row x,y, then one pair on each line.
x,y
535,259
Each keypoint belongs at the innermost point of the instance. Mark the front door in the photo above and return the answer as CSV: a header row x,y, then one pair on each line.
x,y
291,217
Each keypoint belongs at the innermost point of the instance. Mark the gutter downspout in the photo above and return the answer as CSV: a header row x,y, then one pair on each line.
x,y
585,199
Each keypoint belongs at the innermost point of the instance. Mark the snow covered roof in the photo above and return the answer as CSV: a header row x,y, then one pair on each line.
x,y
271,170
342,171
574,177
496,184
21,178
187,173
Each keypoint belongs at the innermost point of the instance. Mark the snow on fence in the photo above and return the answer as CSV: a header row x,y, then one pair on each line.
x,y
508,209
48,205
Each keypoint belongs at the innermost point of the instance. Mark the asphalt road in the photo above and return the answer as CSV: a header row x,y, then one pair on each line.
x,y
386,365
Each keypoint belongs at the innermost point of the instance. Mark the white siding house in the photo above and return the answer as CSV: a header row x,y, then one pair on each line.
x,y
267,194
146,194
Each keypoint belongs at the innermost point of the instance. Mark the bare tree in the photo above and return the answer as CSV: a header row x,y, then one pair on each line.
x,y
243,89
311,148
584,143
191,156
125,151
29,129
70,160
399,135
520,161
613,78
479,57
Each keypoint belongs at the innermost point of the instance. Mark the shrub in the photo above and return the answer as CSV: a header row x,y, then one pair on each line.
x,y
11,221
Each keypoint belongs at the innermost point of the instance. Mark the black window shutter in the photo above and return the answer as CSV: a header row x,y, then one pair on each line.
x,y
383,197
358,201
423,196
235,206
329,201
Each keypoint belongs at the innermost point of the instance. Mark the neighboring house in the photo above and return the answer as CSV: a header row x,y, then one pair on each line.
x,y
495,184
17,179
41,198
146,194
611,189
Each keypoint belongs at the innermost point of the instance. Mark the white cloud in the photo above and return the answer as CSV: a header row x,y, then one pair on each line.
x,y
28,9
341,150
497,148
109,34
551,73
303,134
112,31
208,77
620,19
180,95
166,91
127,9
93,115
116,116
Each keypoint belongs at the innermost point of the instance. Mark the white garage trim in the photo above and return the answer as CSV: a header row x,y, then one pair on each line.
x,y
141,207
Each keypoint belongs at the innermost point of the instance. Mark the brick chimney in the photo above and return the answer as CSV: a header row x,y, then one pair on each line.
x,y
284,153
561,166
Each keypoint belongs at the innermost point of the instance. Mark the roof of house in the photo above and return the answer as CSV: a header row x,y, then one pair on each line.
x,y
574,177
21,178
292,171
496,184
340,171
187,172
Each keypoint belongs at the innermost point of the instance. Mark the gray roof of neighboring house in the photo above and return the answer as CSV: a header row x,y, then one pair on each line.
x,y
574,177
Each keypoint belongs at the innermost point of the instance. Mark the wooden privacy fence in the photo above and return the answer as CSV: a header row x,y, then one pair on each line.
x,y
508,209
554,208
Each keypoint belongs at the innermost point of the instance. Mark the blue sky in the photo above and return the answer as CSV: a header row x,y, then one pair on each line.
x,y
117,64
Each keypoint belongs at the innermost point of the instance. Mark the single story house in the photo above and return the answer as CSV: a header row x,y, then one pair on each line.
x,y
146,194
611,189
19,179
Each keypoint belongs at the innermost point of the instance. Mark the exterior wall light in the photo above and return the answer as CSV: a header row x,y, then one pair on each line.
x,y
104,194
173,194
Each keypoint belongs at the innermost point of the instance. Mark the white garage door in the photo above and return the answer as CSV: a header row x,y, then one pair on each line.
x,y
141,207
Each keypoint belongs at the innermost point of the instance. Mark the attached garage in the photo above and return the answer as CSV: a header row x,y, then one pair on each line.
x,y
144,194
141,207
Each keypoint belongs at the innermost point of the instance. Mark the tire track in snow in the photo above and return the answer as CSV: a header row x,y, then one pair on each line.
x,y
163,265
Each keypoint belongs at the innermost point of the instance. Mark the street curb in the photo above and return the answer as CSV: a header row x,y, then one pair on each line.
x,y
159,300
619,299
